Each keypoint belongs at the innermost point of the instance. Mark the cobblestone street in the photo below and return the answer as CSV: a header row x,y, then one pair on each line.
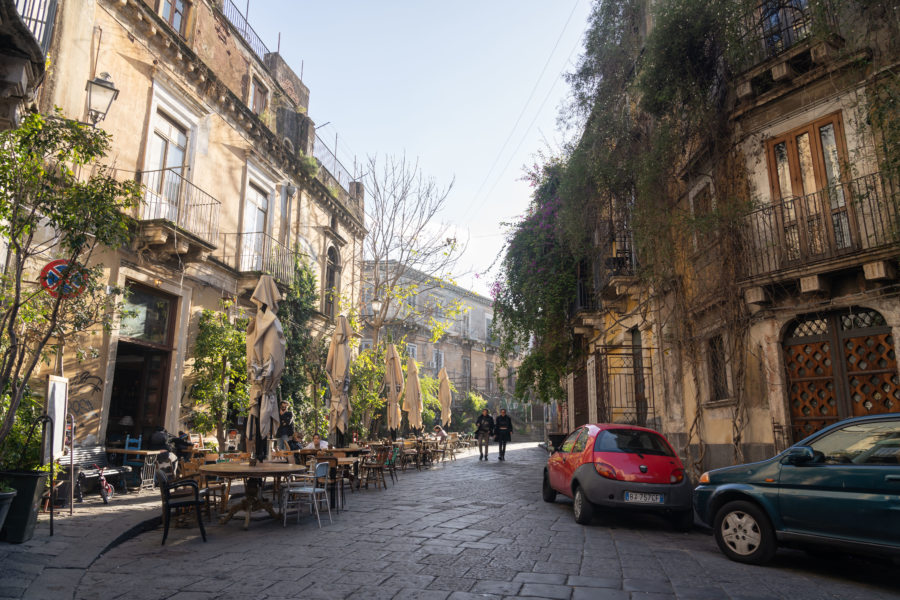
x,y
464,529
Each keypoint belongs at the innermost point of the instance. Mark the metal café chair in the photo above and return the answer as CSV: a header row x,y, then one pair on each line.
x,y
311,492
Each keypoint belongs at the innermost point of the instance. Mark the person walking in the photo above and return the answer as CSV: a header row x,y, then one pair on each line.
x,y
484,429
504,429
285,426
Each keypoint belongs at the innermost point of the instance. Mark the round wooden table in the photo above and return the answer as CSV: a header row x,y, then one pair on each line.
x,y
252,476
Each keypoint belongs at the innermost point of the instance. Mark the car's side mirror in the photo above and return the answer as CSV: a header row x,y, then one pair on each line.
x,y
798,455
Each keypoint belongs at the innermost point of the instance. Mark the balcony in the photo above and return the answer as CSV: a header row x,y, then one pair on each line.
x,y
826,230
234,16
26,28
773,27
252,254
584,301
177,217
616,275
38,16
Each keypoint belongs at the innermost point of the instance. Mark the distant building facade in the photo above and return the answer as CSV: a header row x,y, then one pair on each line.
x,y
468,350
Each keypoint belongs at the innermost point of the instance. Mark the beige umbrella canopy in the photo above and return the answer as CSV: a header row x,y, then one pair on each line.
x,y
412,401
337,370
393,385
265,361
444,396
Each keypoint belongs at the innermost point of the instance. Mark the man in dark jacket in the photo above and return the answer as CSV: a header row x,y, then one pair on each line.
x,y
285,426
504,429
484,429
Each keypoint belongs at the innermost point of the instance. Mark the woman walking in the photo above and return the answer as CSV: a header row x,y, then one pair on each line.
x,y
484,429
504,429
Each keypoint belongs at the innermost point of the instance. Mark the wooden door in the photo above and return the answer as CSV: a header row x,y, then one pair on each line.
x,y
839,365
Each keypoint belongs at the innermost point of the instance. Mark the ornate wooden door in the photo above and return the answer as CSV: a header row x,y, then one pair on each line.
x,y
839,365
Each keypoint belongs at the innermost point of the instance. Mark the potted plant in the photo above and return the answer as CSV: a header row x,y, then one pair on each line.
x,y
20,468
7,493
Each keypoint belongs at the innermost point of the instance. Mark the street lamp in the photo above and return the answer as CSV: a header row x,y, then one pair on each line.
x,y
101,92
376,306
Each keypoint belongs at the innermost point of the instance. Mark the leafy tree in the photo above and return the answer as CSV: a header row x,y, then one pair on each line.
x,y
50,209
409,253
303,382
531,302
466,409
368,399
220,368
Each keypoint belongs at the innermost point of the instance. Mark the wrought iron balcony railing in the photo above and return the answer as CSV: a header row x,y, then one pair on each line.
x,y
585,300
331,163
234,16
775,26
256,252
857,216
170,197
38,16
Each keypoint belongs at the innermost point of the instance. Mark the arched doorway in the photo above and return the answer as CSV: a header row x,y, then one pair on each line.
x,y
839,364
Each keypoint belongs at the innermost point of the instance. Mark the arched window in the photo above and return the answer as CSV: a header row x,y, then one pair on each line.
x,y
332,281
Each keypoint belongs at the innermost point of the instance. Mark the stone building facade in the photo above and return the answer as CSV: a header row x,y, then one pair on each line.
x,y
468,350
214,126
815,266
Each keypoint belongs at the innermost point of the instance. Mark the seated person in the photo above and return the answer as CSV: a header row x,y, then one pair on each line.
x,y
439,433
317,443
296,442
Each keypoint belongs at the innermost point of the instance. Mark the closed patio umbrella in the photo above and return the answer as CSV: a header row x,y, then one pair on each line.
x,y
412,401
265,363
393,385
337,370
444,396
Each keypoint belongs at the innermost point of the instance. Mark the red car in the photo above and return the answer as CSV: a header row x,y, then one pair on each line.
x,y
619,466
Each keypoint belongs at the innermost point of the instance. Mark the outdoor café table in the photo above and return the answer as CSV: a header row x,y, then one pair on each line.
x,y
149,469
352,451
252,476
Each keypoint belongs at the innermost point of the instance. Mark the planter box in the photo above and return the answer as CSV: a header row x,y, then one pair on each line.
x,y
6,499
23,511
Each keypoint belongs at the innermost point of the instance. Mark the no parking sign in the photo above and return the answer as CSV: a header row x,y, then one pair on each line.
x,y
60,278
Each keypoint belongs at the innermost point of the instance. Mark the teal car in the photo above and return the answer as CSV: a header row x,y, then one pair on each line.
x,y
840,487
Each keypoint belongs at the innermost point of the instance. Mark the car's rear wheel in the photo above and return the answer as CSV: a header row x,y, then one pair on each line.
x,y
744,533
582,508
547,492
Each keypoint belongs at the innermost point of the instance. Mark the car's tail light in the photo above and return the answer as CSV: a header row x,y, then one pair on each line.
x,y
604,470
677,476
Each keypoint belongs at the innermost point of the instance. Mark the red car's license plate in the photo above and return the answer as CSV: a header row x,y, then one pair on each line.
x,y
644,498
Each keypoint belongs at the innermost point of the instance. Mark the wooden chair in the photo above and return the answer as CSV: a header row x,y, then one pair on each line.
x,y
373,468
410,454
452,445
393,461
135,461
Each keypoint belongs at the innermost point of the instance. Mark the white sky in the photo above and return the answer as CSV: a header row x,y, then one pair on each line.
x,y
470,88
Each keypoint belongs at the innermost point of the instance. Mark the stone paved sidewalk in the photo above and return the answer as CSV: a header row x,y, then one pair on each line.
x,y
464,530
50,567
